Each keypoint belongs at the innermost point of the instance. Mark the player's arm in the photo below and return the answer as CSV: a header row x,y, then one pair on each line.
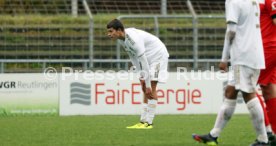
x,y
228,40
143,62
134,61
139,48
144,65
232,9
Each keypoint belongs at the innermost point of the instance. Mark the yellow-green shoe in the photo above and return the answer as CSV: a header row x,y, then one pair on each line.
x,y
136,126
145,126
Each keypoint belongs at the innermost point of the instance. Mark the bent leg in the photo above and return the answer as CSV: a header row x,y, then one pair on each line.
x,y
226,111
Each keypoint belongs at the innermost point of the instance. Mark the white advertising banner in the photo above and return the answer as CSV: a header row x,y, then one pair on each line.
x,y
121,94
28,94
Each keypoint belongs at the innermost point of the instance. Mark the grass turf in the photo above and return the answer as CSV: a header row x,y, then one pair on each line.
x,y
169,130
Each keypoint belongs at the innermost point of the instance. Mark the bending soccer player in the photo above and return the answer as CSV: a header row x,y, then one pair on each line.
x,y
150,56
267,79
243,44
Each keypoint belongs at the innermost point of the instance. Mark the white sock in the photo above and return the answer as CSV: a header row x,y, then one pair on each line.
x,y
257,117
144,113
224,115
151,110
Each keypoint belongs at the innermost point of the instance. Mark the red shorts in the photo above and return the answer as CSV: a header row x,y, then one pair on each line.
x,y
268,75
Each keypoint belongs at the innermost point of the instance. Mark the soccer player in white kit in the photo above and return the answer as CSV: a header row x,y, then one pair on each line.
x,y
150,56
243,44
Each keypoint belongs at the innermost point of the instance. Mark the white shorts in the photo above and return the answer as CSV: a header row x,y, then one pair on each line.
x,y
243,78
159,70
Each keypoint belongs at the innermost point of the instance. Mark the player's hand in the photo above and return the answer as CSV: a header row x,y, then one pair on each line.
x,y
148,91
223,67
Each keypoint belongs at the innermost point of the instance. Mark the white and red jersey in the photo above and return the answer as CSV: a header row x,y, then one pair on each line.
x,y
247,47
268,9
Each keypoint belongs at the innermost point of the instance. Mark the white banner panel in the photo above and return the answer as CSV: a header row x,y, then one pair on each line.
x,y
28,94
118,94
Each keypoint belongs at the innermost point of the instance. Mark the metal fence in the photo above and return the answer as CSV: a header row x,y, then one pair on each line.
x,y
33,43
33,48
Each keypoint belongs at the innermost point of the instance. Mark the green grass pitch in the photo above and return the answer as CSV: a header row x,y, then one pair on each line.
x,y
169,130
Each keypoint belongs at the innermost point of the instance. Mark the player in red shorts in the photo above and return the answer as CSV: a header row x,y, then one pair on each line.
x,y
267,78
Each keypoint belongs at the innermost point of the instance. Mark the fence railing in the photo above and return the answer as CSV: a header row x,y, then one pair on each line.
x,y
208,64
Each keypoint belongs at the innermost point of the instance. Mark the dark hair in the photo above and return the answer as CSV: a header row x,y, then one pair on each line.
x,y
116,24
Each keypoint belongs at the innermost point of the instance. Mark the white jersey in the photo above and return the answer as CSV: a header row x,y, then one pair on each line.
x,y
247,48
138,42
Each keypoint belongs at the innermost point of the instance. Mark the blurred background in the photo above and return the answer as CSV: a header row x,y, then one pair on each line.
x,y
36,34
